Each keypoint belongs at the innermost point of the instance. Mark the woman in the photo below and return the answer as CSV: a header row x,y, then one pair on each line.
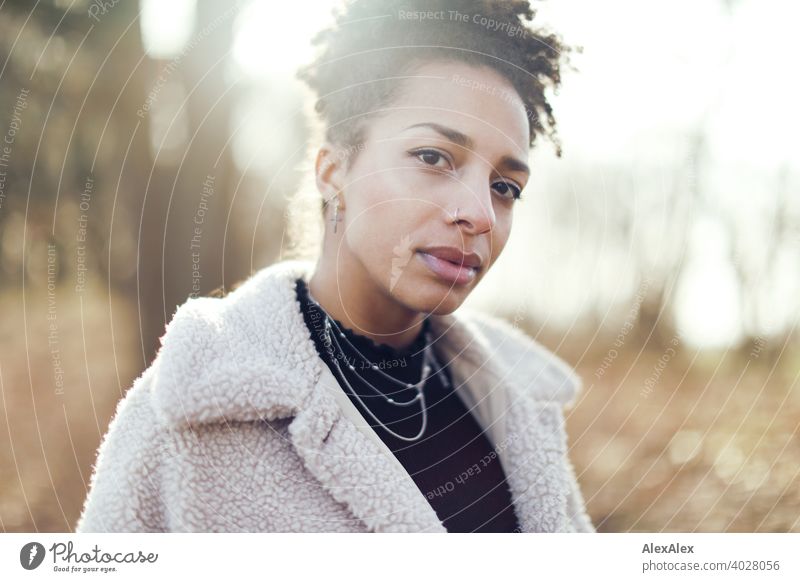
x,y
344,394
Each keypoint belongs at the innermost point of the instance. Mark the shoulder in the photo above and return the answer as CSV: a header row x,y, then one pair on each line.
x,y
134,416
531,367
124,486
238,357
203,323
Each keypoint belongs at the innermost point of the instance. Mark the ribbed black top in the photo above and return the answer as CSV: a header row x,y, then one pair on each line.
x,y
452,462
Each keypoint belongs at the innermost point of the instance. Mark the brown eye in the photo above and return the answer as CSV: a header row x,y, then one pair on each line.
x,y
431,158
508,190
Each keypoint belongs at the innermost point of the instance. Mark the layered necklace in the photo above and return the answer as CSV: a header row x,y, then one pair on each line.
x,y
334,336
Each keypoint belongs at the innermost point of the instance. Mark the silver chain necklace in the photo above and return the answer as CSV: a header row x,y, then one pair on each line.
x,y
418,386
429,356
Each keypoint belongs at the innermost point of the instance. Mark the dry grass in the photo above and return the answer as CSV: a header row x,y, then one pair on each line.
x,y
713,447
48,439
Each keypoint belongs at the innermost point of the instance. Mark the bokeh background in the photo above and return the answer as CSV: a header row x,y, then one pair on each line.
x,y
660,255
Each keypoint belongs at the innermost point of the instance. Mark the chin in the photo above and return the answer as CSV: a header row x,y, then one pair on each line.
x,y
444,309
426,296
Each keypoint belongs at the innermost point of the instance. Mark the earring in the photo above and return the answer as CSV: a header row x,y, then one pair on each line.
x,y
336,220
336,215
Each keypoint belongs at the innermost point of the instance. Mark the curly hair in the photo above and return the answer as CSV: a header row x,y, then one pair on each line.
x,y
364,56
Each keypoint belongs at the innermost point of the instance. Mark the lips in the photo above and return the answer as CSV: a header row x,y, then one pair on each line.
x,y
450,264
454,255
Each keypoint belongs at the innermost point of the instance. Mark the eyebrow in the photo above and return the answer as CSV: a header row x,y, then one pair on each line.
x,y
466,142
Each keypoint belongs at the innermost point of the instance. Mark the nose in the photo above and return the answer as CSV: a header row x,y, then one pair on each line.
x,y
476,213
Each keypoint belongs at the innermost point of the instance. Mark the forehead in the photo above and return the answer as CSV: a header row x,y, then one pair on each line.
x,y
477,101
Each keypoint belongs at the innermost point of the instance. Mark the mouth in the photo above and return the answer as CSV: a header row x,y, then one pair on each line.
x,y
451,265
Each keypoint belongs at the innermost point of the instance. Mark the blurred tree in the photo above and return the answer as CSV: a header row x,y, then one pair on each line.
x,y
188,194
89,135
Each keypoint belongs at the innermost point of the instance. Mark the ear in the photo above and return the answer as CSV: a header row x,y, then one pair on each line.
x,y
330,169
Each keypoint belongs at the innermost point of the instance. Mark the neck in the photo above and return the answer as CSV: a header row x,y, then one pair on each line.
x,y
343,289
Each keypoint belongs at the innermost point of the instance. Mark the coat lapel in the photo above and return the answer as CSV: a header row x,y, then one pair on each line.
x,y
355,471
515,389
535,468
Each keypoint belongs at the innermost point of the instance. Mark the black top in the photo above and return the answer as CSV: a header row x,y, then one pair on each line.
x,y
452,462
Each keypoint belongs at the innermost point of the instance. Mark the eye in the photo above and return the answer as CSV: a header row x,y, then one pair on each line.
x,y
431,157
508,190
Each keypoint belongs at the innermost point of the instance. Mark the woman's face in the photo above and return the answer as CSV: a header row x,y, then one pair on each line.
x,y
456,138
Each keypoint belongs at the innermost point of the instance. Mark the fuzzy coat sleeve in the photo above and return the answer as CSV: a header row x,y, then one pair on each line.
x,y
579,520
125,487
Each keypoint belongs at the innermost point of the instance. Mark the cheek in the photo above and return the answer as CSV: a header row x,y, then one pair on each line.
x,y
380,227
500,234
371,228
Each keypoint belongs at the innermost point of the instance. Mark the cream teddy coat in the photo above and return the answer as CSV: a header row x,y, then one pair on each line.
x,y
239,426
